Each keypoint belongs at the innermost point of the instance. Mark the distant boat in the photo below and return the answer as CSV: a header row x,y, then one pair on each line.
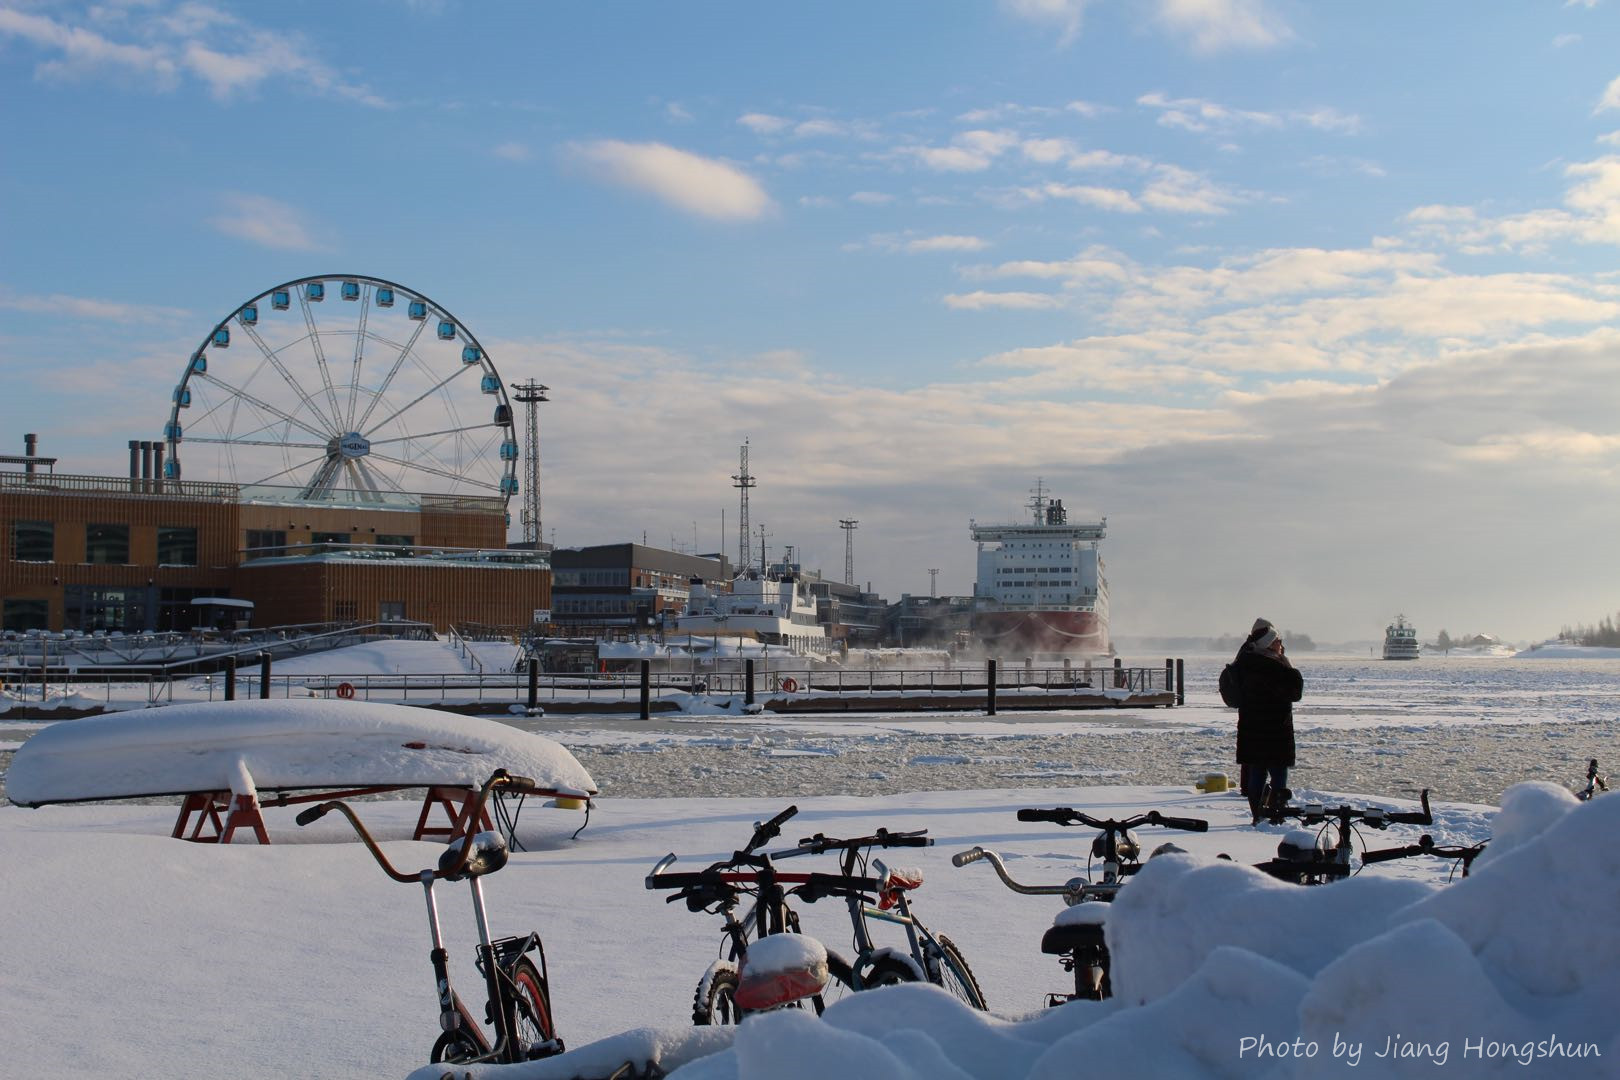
x,y
1400,640
770,608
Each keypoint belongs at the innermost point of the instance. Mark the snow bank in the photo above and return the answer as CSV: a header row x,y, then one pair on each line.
x,y
206,746
1221,971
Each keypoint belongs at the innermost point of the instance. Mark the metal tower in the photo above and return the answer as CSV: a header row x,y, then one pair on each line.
x,y
531,394
933,577
848,525
742,483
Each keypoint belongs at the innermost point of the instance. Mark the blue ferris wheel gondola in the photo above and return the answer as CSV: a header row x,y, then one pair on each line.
x,y
315,292
447,330
509,450
509,485
222,338
384,297
471,354
281,299
249,314
350,290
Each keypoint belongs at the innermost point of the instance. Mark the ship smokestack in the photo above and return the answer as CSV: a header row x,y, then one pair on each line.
x,y
30,447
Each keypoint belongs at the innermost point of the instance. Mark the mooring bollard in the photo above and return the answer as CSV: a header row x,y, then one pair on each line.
x,y
1181,681
264,675
990,688
1169,675
646,689
230,678
534,683
748,681
1119,673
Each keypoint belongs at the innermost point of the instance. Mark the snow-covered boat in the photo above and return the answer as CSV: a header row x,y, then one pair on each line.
x,y
769,607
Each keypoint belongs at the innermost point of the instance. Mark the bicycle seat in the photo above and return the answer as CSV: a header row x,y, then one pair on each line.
x,y
1077,927
897,880
488,855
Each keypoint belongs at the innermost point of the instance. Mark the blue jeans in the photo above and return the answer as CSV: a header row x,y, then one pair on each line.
x,y
1252,779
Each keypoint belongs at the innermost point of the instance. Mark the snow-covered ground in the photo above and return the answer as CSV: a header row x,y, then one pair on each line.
x,y
127,953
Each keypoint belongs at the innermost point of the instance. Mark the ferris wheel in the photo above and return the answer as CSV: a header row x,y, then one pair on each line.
x,y
343,389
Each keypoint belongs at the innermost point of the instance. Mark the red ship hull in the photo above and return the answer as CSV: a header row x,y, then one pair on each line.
x,y
1019,633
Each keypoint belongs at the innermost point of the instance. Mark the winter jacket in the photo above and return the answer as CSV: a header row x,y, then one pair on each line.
x,y
1269,687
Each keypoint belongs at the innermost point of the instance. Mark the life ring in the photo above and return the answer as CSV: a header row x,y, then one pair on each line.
x,y
790,685
345,690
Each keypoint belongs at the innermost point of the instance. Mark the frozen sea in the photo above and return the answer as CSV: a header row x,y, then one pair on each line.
x,y
1465,727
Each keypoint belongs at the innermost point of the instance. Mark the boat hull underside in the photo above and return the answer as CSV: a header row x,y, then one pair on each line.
x,y
1017,633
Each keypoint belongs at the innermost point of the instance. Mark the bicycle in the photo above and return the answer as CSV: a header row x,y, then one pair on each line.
x,y
1595,784
1310,861
518,1007
1076,935
797,969
928,957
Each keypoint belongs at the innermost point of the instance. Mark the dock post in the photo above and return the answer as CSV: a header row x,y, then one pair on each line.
x,y
1181,681
646,688
990,688
1068,671
1169,674
230,678
748,681
1119,673
534,683
264,675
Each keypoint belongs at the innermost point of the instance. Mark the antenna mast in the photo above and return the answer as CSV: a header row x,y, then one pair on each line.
x,y
933,577
531,394
742,482
848,525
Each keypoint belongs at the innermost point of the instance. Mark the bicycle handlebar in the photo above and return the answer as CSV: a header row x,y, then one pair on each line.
x,y
1375,817
819,843
972,855
1425,846
765,832
1064,815
500,778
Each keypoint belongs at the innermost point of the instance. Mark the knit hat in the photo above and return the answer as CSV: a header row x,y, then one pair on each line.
x,y
1259,625
1264,641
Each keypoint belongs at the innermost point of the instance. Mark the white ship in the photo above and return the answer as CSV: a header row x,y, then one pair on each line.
x,y
769,607
1040,587
1400,640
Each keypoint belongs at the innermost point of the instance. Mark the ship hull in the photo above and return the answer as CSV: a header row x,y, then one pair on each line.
x,y
1022,633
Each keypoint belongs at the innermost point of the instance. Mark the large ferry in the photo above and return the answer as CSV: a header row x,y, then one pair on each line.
x,y
1400,640
1040,587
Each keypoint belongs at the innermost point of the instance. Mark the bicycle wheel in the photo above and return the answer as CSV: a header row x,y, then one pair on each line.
x,y
888,971
531,1015
454,1048
955,975
715,1000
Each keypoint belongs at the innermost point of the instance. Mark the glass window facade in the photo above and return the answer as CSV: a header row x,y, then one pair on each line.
x,y
25,614
176,545
106,544
266,543
33,541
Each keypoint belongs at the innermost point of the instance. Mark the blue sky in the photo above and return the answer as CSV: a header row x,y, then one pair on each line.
x,y
1315,302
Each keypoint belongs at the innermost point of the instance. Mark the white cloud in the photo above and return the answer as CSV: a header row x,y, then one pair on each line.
x,y
1211,26
946,243
1018,301
1179,191
1065,15
763,123
819,128
686,181
1087,108
872,198
1111,199
267,222
513,151
229,56
676,113
1611,96
86,307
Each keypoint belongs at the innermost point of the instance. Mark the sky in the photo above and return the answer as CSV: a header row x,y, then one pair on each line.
x,y
1312,302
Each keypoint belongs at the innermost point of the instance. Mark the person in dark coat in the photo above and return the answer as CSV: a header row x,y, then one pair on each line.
x,y
1268,687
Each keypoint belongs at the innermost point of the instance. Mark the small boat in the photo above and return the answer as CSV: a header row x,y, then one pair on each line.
x,y
1400,640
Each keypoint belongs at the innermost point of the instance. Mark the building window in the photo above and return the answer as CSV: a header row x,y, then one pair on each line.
x,y
22,615
33,541
266,543
395,540
106,544
176,546
328,538
89,607
391,611
343,610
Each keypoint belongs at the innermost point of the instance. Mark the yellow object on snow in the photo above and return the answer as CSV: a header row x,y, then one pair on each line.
x,y
1213,782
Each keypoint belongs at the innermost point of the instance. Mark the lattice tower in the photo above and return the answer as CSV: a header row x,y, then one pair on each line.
x,y
848,525
742,482
531,394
